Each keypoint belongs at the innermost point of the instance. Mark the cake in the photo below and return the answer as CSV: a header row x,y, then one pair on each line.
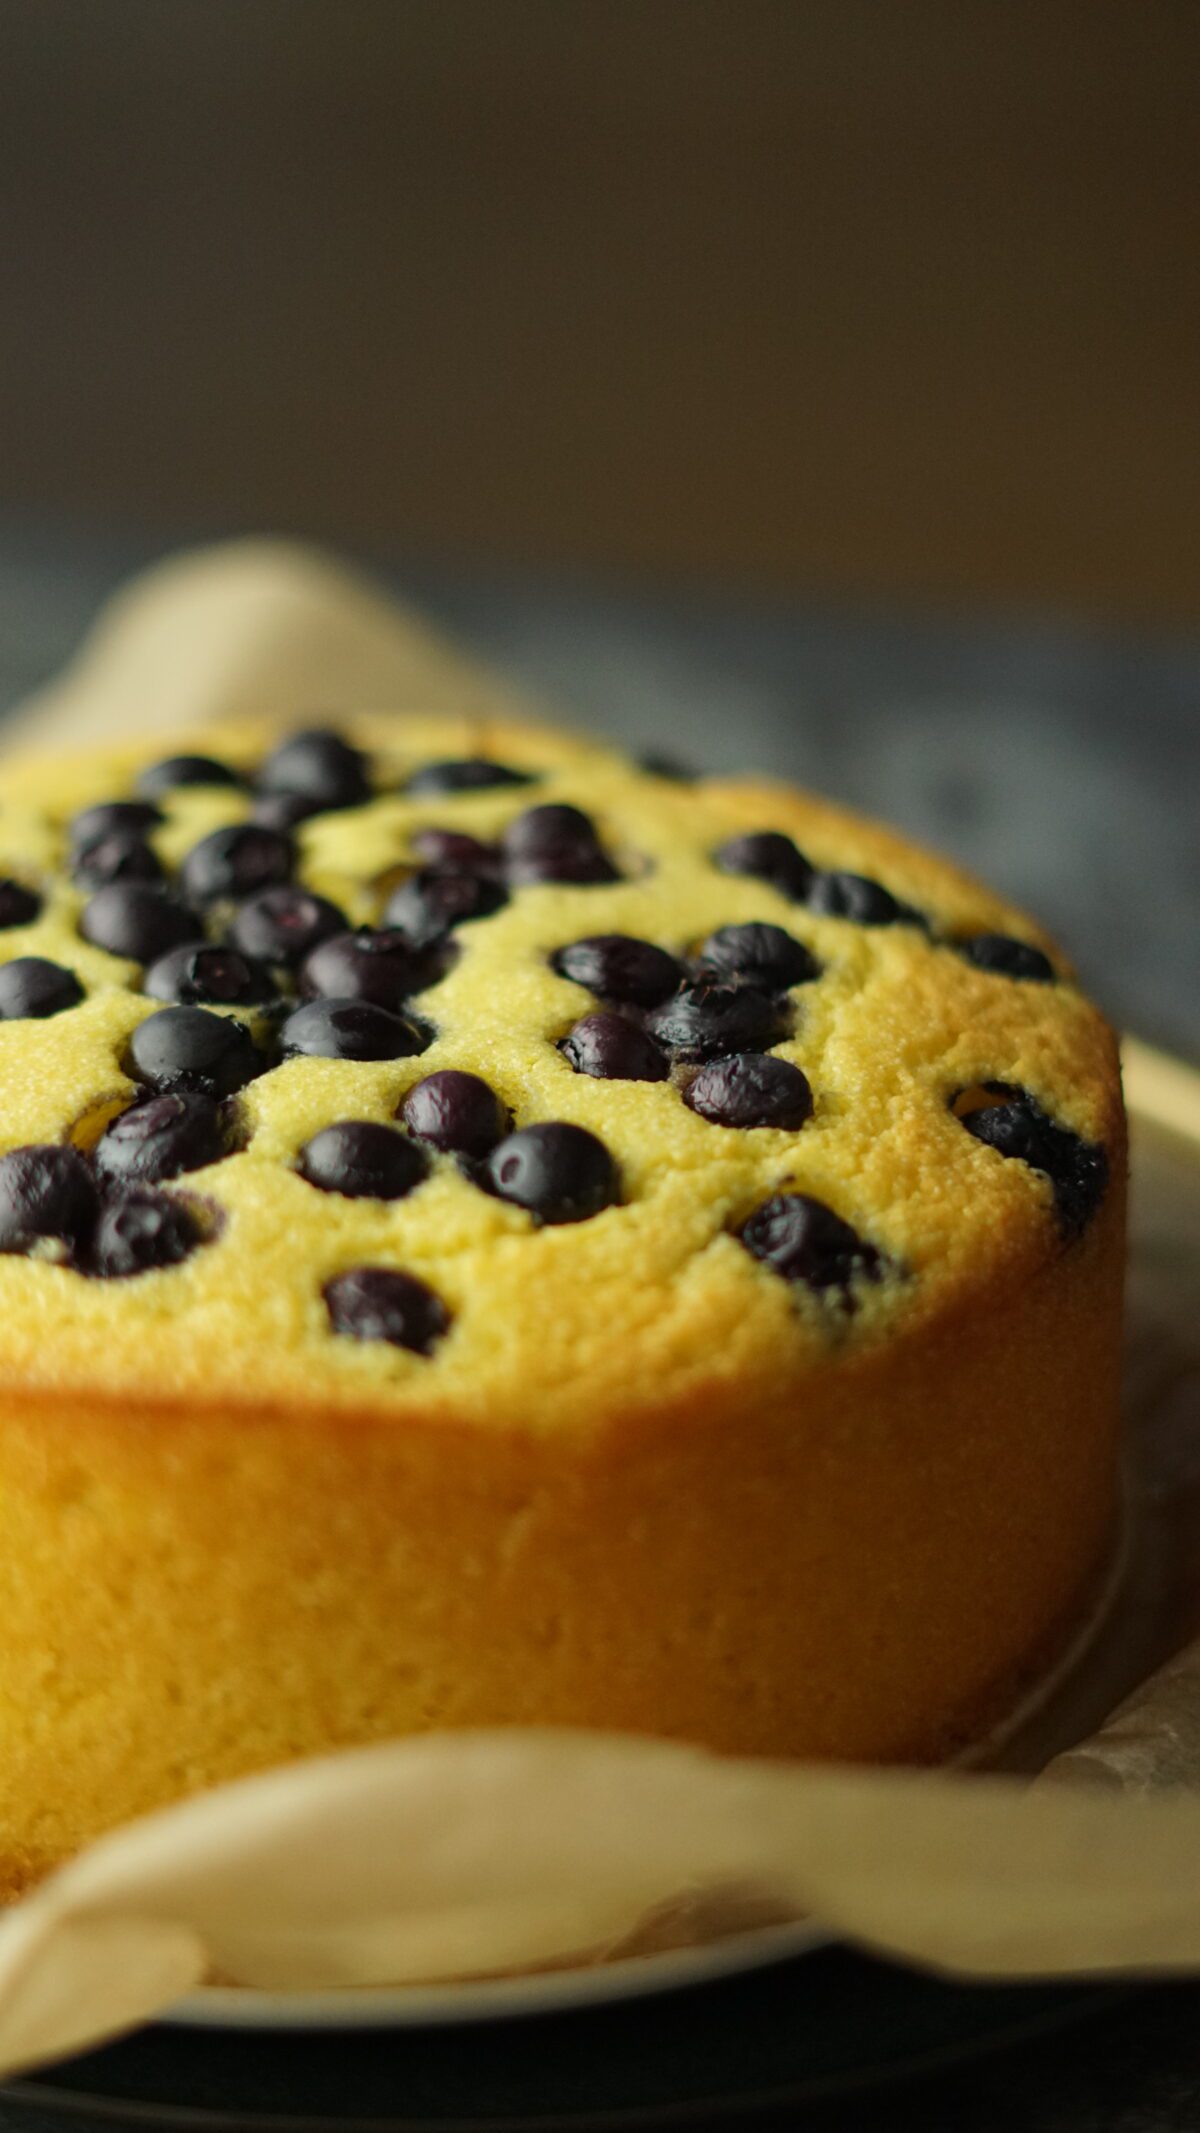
x,y
494,1233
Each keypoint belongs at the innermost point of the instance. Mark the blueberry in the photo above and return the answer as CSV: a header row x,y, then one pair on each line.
x,y
1077,1169
618,967
455,1112
237,861
864,902
45,1192
160,1137
362,1161
283,925
560,1173
196,975
176,770
31,989
376,1303
803,1240
187,1048
450,851
427,907
317,765
380,967
112,818
1007,958
472,774
349,1029
751,1089
612,1049
555,843
132,919
122,855
283,810
767,855
759,955
19,906
141,1230
703,1021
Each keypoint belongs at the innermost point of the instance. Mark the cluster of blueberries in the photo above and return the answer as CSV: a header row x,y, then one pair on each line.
x,y
330,991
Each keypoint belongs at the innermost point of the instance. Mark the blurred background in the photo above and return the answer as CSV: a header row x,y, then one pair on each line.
x,y
820,381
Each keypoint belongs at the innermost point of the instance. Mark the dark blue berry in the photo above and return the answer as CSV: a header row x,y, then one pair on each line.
x,y
187,1048
615,966
802,1240
377,1303
758,954
46,1192
612,1049
31,989
767,855
362,1161
455,1112
560,1173
703,1021
349,1029
751,1089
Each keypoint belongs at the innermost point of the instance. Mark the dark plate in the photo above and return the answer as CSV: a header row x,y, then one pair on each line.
x,y
799,2030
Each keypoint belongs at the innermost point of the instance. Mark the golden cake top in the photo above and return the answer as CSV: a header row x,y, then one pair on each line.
x,y
475,1071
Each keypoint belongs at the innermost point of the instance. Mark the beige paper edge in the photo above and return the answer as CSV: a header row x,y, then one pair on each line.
x,y
470,1854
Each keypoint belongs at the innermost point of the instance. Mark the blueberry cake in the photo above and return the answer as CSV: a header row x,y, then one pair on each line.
x,y
492,1232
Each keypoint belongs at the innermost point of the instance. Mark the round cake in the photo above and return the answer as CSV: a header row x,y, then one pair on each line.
x,y
495,1233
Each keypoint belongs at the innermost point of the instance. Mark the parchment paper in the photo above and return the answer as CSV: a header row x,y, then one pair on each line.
x,y
461,1855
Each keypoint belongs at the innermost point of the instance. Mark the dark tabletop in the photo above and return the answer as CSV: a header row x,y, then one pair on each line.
x,y
1059,762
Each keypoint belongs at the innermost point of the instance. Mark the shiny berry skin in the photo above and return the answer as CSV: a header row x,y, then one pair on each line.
x,y
1017,1126
455,1112
161,1137
428,906
610,1048
140,1231
555,843
471,774
616,966
46,1192
19,906
283,810
349,1029
751,1089
112,818
377,1303
132,919
767,855
199,976
558,1172
802,1240
122,855
317,765
1007,958
703,1021
362,1161
177,770
757,954
187,1048
450,851
381,967
283,925
237,861
31,989
862,901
